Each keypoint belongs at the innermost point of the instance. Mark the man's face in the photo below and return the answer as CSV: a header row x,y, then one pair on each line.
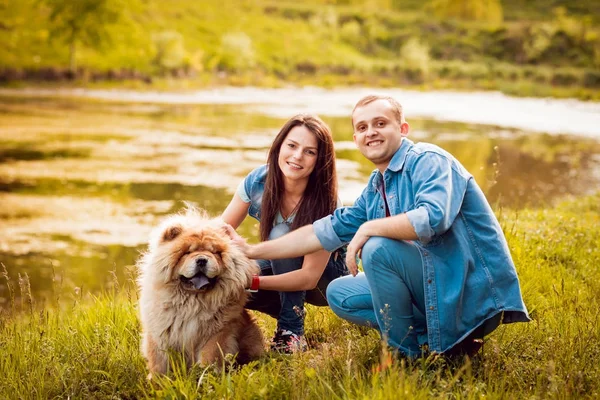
x,y
377,133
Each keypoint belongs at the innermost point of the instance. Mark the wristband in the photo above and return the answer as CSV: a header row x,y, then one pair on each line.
x,y
254,285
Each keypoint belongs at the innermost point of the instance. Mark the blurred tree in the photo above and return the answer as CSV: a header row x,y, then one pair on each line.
x,y
12,12
469,10
170,51
415,56
368,4
83,22
538,40
236,52
351,33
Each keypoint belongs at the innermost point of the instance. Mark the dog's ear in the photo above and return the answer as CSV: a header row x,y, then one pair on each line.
x,y
171,233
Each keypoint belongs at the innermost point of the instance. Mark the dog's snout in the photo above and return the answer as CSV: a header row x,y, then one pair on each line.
x,y
201,262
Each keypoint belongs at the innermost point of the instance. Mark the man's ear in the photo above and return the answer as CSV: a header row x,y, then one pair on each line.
x,y
404,128
171,233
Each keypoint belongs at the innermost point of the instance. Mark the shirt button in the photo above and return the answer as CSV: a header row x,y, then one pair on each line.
x,y
431,307
429,281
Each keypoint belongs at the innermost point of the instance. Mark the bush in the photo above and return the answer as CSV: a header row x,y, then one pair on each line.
x,y
591,79
460,70
170,51
236,53
469,10
507,72
351,33
564,78
414,56
539,38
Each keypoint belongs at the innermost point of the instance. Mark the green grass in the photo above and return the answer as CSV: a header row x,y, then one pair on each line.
x,y
89,347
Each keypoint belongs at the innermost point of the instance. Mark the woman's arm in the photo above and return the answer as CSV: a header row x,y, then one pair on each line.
x,y
236,211
305,278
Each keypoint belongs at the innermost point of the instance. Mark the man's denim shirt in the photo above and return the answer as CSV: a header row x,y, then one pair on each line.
x,y
468,274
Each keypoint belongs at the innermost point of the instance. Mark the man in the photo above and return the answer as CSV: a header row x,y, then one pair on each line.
x,y
437,268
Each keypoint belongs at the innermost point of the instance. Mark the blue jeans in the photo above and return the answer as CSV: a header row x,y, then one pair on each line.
x,y
388,296
288,307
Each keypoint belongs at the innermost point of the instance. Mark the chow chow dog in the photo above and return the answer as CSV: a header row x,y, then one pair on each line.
x,y
192,293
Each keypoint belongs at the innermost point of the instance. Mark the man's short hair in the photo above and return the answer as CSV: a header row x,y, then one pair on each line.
x,y
396,107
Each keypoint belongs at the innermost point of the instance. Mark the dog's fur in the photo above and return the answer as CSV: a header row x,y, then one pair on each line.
x,y
192,294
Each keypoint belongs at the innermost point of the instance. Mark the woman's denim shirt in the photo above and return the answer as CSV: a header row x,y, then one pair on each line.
x,y
251,191
469,275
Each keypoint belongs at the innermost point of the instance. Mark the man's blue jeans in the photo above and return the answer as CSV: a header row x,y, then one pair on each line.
x,y
388,296
288,307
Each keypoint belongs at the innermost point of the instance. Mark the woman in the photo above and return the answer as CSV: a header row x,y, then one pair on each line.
x,y
297,186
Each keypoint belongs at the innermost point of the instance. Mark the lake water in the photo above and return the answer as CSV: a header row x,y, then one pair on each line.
x,y
85,174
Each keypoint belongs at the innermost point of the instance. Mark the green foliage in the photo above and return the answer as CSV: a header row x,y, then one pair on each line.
x,y
351,33
170,51
538,41
323,42
83,21
415,55
469,10
237,52
91,348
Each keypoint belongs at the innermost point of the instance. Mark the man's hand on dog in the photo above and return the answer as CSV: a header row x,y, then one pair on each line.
x,y
237,239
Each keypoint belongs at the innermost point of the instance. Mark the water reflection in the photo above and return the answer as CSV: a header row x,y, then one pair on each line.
x,y
83,182
59,277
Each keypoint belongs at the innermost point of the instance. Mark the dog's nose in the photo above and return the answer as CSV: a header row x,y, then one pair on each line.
x,y
201,262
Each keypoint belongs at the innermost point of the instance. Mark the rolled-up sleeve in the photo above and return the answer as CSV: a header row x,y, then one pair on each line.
x,y
419,219
439,189
326,234
337,229
241,191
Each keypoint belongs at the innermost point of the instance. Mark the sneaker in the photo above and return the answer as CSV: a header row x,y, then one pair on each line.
x,y
287,342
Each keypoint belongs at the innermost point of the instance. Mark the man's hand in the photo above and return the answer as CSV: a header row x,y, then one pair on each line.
x,y
238,240
354,250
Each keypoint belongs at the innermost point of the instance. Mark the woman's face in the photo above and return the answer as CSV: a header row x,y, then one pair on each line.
x,y
298,153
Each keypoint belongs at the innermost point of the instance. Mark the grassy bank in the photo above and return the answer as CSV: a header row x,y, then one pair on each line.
x,y
533,48
88,347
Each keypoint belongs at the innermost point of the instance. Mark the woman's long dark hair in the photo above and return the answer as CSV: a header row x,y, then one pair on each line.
x,y
320,195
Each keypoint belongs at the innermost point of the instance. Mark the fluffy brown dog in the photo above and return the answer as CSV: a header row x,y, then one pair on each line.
x,y
192,294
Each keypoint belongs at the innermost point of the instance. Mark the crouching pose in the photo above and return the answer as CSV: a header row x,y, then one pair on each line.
x,y
438,274
297,186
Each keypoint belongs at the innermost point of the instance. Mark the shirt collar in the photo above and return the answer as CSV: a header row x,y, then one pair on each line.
x,y
397,161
